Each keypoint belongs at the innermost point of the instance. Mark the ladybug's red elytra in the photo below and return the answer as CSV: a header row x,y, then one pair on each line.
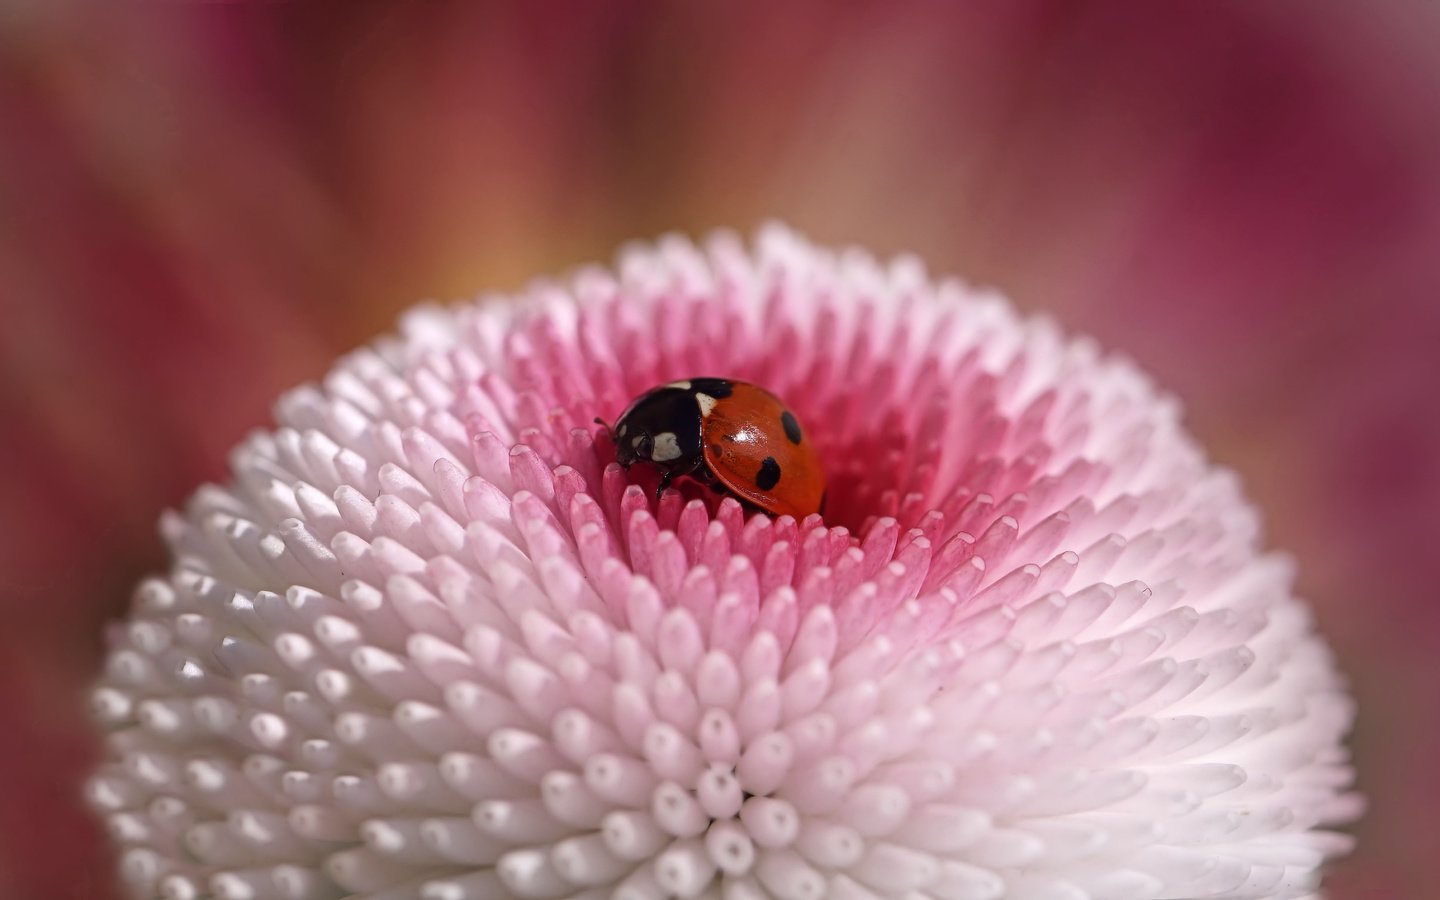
x,y
732,435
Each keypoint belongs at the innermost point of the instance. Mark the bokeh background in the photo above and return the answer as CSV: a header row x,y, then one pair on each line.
x,y
203,203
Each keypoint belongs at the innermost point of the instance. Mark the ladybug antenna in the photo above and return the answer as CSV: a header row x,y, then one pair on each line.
x,y
605,425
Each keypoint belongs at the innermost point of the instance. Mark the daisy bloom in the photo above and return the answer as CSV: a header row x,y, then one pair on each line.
x,y
431,642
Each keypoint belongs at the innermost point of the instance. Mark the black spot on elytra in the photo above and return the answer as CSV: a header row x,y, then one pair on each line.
x,y
769,474
718,388
792,427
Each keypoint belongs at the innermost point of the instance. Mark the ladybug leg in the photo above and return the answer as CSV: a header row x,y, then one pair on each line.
x,y
707,477
697,471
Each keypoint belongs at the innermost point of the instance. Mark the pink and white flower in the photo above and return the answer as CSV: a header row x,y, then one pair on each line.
x,y
428,644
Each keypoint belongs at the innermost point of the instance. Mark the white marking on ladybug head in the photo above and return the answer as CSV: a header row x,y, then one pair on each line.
x,y
706,402
682,385
620,432
667,447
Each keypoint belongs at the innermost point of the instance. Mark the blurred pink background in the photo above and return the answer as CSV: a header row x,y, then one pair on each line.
x,y
202,204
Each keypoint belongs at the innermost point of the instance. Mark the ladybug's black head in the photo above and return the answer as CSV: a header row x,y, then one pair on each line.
x,y
632,446
661,427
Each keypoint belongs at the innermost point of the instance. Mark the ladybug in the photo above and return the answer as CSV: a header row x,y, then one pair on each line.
x,y
735,436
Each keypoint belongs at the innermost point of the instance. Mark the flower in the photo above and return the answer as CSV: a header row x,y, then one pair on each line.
x,y
428,643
